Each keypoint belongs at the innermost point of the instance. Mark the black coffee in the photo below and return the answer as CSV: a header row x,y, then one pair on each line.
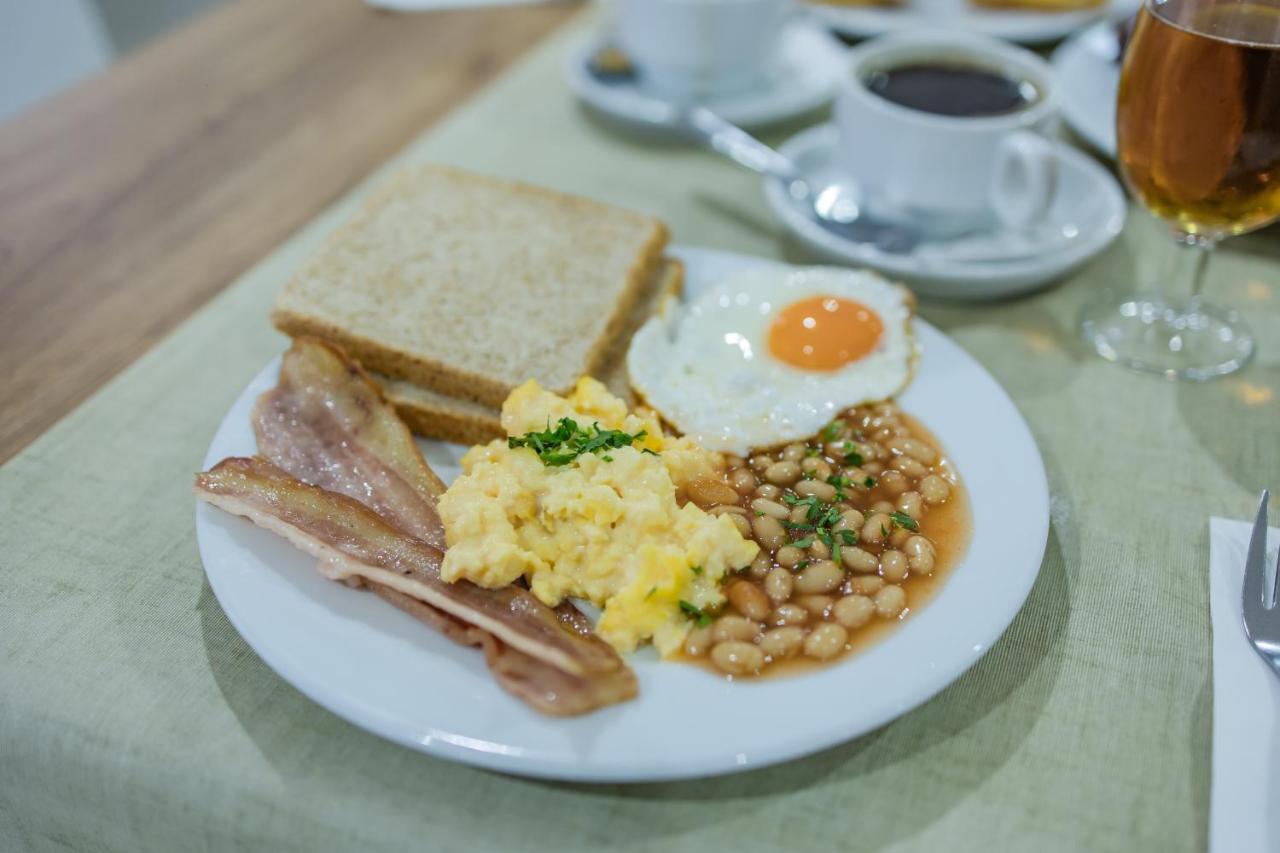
x,y
951,90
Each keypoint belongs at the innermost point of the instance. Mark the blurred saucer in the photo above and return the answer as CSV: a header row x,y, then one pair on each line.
x,y
808,62
1086,214
1087,66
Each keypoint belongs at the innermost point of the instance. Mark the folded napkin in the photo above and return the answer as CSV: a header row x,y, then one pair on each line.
x,y
1244,806
435,5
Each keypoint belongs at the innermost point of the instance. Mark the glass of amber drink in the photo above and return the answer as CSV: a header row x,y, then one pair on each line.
x,y
1198,132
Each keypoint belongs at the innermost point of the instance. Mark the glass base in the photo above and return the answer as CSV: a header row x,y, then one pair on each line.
x,y
1196,340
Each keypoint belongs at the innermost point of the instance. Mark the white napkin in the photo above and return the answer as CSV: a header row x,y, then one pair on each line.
x,y
1244,806
434,5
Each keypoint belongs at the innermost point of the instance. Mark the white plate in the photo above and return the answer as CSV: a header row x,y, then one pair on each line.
x,y
1088,75
387,673
1087,199
1011,25
803,79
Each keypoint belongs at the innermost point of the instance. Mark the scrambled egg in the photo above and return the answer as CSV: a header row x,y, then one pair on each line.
x,y
606,527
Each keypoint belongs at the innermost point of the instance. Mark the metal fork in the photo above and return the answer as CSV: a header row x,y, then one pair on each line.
x,y
1261,615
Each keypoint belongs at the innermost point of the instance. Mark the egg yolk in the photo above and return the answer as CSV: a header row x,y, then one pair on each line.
x,y
823,333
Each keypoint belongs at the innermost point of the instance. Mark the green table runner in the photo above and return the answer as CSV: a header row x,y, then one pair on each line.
x,y
132,716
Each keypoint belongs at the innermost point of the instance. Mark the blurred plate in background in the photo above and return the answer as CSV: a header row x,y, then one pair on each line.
x,y
1026,27
1088,70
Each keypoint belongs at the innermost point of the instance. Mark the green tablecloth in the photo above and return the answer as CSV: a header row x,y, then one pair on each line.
x,y
132,716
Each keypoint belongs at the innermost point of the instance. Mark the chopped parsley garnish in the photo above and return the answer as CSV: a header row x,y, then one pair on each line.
x,y
803,543
901,519
870,482
697,570
651,591
832,430
811,452
802,565
607,458
696,613
853,457
841,483
848,537
645,449
568,441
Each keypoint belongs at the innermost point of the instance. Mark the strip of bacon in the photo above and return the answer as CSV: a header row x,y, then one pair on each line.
x,y
352,541
327,423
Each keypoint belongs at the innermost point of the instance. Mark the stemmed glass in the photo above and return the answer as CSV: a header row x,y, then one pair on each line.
x,y
1198,132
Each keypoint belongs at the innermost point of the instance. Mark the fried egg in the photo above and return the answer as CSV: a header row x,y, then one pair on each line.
x,y
771,356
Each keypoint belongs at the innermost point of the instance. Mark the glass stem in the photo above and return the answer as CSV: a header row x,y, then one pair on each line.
x,y
1186,265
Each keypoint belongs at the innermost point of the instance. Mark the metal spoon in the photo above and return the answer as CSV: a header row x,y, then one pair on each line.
x,y
835,207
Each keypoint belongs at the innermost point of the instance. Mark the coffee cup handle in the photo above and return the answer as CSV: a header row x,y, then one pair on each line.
x,y
1024,179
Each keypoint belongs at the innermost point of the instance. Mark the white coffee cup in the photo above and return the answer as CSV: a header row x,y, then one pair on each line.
x,y
948,174
692,49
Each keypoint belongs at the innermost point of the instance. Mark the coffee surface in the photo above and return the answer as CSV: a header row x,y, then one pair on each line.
x,y
951,90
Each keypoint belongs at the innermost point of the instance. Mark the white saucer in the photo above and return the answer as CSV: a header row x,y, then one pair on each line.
x,y
1087,197
1011,24
803,78
1088,74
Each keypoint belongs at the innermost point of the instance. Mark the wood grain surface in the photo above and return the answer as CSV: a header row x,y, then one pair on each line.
x,y
128,202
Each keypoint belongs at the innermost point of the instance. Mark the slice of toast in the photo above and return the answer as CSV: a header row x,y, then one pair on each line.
x,y
468,285
435,415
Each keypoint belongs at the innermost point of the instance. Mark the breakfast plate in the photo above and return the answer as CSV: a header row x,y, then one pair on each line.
x,y
1024,26
379,669
802,80
1086,214
1088,69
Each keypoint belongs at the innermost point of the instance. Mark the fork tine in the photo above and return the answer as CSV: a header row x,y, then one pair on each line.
x,y
1255,567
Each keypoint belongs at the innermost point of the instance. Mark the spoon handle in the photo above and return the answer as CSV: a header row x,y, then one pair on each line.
x,y
738,145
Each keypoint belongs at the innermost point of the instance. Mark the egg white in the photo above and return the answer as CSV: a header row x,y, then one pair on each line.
x,y
705,366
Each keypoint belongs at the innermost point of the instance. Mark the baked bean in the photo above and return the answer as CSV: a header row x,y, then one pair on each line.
x,y
732,460
866,585
800,514
749,600
708,492
874,530
853,611
857,476
773,509
697,642
826,641
920,554
883,434
858,560
817,605
935,489
782,473
742,481
910,467
819,551
912,504
914,448
893,566
761,461
872,468
868,452
783,642
740,521
761,566
768,491
890,601
794,452
735,628
809,464
778,585
899,537
882,506
822,470
850,519
789,614
737,658
822,576
894,482
728,509
789,556
815,488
